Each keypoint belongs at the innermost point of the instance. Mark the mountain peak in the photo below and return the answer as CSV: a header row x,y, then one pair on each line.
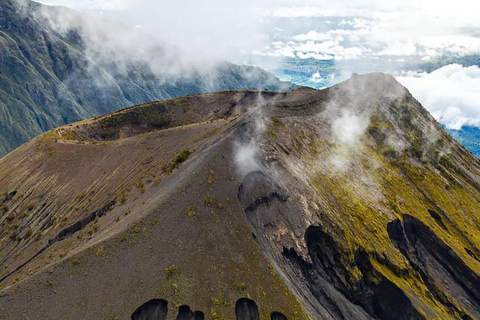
x,y
373,86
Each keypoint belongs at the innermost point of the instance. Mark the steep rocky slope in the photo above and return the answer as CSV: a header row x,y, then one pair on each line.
x,y
57,67
344,203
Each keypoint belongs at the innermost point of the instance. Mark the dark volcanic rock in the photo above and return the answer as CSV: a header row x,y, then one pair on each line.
x,y
440,267
155,309
266,204
326,274
198,315
185,313
246,309
277,316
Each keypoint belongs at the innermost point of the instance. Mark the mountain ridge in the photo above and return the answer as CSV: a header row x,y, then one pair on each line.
x,y
347,202
56,67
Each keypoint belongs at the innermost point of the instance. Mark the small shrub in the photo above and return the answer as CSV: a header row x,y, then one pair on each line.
x,y
391,153
210,178
209,201
241,286
181,157
172,271
100,251
49,283
191,211
123,197
28,233
175,288
271,268
4,209
13,236
12,226
211,132
141,187
377,134
220,301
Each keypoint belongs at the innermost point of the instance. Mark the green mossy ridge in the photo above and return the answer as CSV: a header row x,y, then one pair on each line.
x,y
358,215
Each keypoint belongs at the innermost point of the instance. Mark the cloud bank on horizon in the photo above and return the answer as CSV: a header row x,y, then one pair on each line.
x,y
345,31
451,94
334,29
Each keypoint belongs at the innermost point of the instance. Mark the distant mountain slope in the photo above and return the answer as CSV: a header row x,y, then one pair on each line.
x,y
51,74
350,202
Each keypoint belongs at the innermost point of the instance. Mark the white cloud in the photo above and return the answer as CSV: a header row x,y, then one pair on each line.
x,y
451,94
212,27
320,50
399,48
315,36
301,11
319,78
91,5
357,28
420,29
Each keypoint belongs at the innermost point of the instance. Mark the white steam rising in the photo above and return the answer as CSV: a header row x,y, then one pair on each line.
x,y
247,150
246,158
349,112
349,127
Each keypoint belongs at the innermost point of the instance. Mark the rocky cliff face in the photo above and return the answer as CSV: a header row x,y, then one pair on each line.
x,y
57,67
344,203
